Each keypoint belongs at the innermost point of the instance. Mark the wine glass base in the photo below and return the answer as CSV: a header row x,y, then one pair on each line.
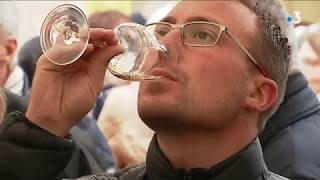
x,y
64,34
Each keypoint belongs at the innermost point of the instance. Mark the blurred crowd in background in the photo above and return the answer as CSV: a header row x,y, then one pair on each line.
x,y
112,134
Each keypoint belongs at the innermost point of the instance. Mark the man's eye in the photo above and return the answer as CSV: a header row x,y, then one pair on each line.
x,y
202,35
162,32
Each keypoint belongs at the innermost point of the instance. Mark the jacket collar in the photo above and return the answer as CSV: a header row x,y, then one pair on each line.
x,y
299,102
247,164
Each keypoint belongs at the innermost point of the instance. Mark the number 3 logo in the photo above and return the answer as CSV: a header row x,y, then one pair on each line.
x,y
296,17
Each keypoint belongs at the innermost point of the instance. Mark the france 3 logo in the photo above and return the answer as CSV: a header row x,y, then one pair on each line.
x,y
295,18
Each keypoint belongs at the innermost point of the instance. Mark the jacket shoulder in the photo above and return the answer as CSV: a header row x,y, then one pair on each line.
x,y
273,176
136,172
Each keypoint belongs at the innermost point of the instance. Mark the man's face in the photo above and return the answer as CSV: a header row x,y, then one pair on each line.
x,y
206,87
7,51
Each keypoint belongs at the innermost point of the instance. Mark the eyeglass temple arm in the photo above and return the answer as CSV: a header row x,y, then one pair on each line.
x,y
237,41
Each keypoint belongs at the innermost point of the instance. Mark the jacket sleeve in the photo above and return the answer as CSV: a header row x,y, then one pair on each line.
x,y
29,152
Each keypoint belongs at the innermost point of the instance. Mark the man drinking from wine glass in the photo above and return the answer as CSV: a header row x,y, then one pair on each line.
x,y
223,79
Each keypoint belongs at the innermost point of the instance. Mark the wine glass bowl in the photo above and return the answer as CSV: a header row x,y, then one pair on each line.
x,y
65,36
132,64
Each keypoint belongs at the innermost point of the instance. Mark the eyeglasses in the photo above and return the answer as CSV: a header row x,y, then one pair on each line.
x,y
201,34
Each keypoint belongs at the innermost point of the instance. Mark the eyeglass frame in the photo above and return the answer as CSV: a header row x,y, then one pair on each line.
x,y
221,30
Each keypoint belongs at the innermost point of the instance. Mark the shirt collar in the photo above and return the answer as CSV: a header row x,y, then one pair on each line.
x,y
247,164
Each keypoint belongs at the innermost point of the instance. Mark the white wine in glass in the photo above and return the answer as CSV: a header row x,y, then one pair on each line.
x,y
66,28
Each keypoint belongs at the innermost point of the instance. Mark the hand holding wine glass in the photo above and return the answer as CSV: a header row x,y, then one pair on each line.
x,y
69,76
62,95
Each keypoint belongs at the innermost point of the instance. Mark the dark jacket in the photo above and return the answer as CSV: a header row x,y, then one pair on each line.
x,y
26,148
245,165
290,141
32,153
94,145
92,153
15,102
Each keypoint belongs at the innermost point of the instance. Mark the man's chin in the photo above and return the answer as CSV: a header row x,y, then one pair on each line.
x,y
158,102
156,116
157,87
155,105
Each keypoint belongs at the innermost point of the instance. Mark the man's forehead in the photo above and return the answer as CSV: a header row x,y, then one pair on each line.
x,y
228,13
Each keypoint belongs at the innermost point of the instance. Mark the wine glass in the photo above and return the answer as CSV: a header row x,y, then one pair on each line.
x,y
66,28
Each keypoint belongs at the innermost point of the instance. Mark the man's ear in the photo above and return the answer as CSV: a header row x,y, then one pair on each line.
x,y
11,46
263,94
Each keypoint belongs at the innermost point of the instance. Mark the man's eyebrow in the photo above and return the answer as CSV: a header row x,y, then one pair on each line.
x,y
200,18
169,19
172,20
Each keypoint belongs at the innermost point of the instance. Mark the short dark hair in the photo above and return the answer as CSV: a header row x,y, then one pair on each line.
x,y
272,47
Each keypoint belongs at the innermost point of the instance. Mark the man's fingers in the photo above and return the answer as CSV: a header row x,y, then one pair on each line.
x,y
63,54
102,37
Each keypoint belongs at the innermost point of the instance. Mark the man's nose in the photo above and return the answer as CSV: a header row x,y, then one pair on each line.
x,y
173,37
173,43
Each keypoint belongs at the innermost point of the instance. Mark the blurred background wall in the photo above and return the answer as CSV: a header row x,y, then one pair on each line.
x,y
309,10
30,14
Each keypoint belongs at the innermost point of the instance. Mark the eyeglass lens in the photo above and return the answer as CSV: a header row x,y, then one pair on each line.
x,y
193,33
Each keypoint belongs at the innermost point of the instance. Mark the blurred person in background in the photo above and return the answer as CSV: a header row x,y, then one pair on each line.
x,y
12,76
28,56
107,19
13,81
207,111
119,120
137,17
309,53
290,139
